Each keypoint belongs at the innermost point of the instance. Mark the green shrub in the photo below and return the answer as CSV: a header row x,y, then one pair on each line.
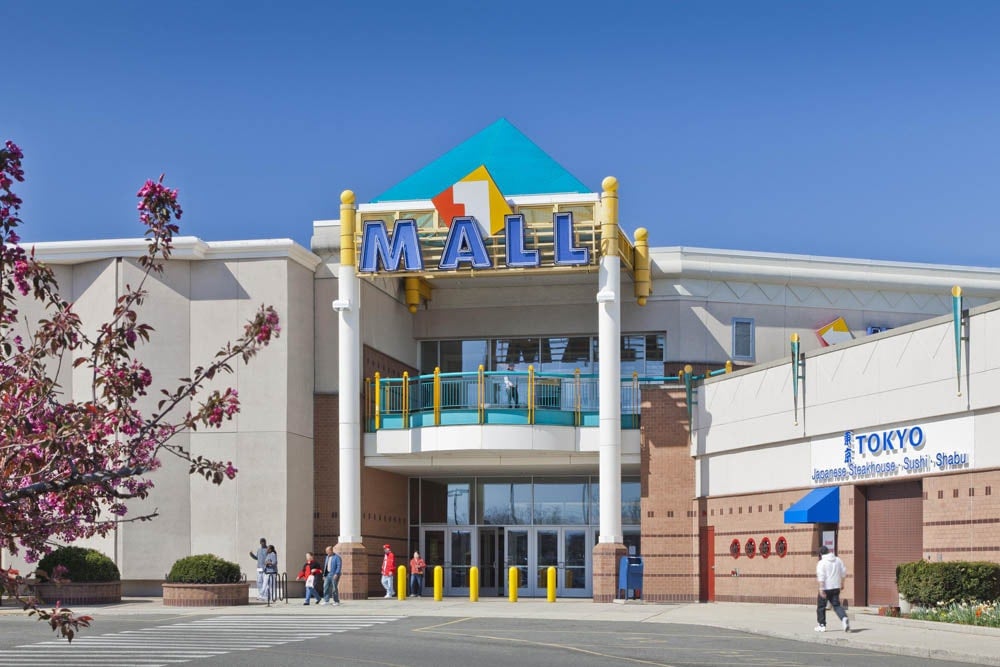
x,y
204,569
82,565
929,584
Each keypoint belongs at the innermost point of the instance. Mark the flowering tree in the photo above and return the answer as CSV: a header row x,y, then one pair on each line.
x,y
69,467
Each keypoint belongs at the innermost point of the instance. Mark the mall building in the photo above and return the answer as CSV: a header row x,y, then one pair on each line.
x,y
485,364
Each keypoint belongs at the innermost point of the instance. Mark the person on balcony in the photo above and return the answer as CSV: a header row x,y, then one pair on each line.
x,y
510,382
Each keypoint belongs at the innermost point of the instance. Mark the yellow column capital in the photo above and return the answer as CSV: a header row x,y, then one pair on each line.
x,y
347,227
609,216
641,266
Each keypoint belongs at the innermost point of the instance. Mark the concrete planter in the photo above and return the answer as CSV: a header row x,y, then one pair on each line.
x,y
206,595
67,594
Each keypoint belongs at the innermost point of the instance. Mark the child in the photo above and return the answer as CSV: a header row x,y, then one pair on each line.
x,y
311,591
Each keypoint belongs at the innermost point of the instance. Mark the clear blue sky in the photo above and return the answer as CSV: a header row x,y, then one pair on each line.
x,y
854,129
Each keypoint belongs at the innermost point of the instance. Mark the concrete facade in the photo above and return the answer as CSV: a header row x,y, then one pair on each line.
x,y
753,460
206,294
746,462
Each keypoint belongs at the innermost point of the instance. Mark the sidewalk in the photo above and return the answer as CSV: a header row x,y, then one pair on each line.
x,y
921,639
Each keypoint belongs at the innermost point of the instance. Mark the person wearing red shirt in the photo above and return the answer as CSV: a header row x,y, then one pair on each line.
x,y
417,567
310,572
388,568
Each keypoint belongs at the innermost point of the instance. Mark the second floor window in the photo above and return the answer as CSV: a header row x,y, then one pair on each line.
x,y
743,339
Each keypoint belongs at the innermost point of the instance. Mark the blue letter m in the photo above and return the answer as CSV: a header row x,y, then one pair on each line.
x,y
405,246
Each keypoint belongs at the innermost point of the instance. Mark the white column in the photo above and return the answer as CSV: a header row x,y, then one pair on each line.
x,y
348,307
609,371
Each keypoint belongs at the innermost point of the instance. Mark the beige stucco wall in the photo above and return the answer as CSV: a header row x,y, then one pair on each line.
x,y
746,422
202,300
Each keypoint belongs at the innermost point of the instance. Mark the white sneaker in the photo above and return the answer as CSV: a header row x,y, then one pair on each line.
x,y
323,603
820,628
846,623
387,596
335,604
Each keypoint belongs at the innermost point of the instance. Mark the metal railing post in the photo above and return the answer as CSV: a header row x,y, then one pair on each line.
x,y
378,399
437,395
406,399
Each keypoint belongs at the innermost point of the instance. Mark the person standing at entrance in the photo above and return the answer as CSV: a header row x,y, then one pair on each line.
x,y
388,569
417,567
331,577
830,574
260,554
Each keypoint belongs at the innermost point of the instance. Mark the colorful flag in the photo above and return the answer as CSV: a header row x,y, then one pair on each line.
x,y
834,332
476,196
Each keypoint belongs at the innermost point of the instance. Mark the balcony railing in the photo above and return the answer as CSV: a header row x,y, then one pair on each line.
x,y
503,397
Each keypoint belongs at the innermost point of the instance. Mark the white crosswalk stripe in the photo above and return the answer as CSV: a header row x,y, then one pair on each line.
x,y
182,642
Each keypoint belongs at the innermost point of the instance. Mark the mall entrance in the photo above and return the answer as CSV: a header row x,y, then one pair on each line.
x,y
495,549
496,523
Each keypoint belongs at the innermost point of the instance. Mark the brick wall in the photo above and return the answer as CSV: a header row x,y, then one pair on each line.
x,y
775,579
962,516
326,470
384,494
669,522
672,518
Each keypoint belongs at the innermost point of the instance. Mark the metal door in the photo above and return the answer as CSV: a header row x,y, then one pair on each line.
x,y
452,549
519,555
567,550
706,560
490,560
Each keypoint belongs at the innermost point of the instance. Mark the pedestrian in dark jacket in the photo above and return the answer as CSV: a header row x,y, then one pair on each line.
x,y
310,573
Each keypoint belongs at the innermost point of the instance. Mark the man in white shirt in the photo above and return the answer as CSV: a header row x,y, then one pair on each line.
x,y
830,574
510,383
259,556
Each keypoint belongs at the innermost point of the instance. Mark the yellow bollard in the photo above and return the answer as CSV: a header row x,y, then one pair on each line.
x,y
438,583
473,584
401,582
512,579
551,583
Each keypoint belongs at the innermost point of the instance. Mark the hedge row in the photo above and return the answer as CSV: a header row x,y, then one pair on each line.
x,y
204,569
928,584
82,565
89,565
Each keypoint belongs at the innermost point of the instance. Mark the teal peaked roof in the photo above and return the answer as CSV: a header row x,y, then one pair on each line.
x,y
518,166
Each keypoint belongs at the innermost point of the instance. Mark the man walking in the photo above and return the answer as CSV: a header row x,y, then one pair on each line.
x,y
331,577
260,555
388,569
830,573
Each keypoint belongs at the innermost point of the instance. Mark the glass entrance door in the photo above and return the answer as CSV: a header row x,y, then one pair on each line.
x,y
490,559
534,550
567,550
518,556
546,556
433,552
495,549
451,548
575,581
456,577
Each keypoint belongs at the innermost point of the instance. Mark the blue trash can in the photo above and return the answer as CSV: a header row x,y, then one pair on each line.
x,y
630,577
